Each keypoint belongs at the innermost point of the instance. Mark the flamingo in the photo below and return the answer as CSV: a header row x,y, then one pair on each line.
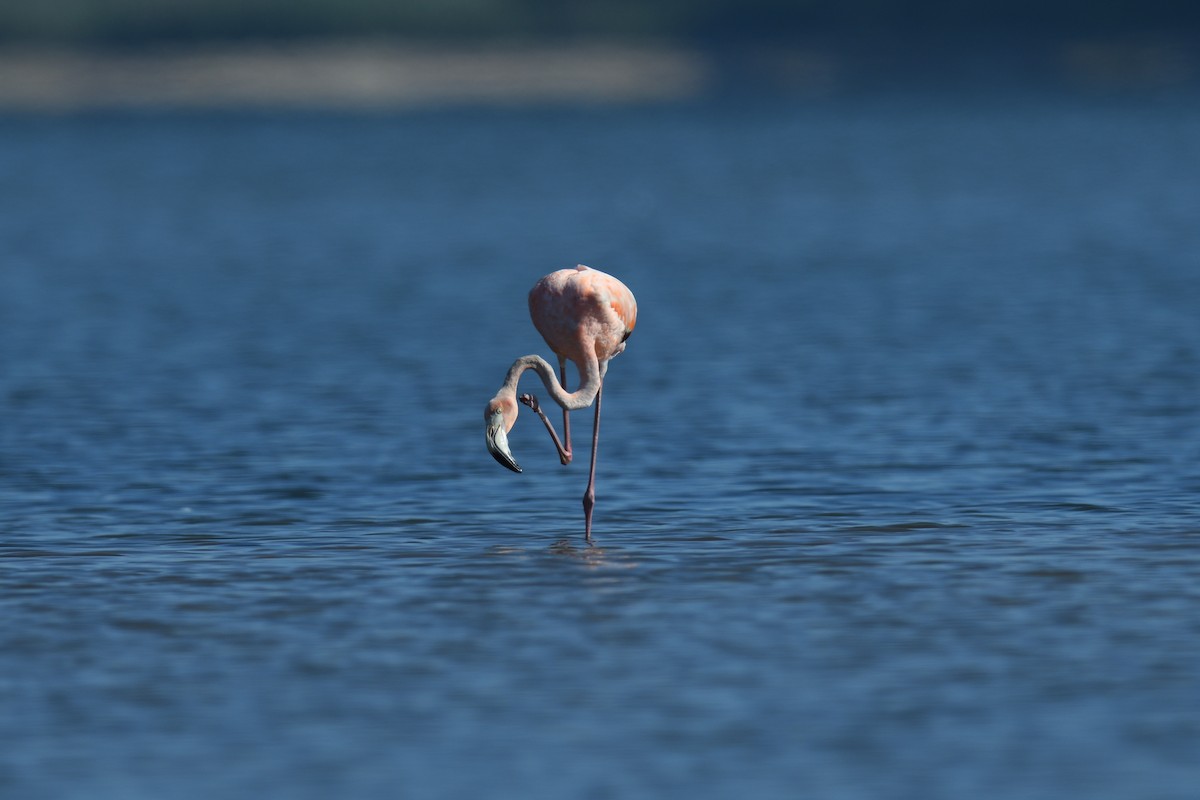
x,y
585,316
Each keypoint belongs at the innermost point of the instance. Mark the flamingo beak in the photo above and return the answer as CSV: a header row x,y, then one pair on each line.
x,y
497,442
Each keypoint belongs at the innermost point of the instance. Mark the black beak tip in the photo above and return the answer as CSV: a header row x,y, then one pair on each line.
x,y
506,462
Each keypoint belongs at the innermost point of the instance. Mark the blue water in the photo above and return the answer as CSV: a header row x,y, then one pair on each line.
x,y
898,477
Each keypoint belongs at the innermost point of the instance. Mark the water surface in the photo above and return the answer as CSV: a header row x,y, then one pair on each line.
x,y
897,486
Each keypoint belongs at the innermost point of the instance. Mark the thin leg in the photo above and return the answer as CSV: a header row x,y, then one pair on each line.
x,y
562,378
564,450
564,453
589,496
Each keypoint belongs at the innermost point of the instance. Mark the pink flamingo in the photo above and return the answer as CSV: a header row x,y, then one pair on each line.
x,y
585,316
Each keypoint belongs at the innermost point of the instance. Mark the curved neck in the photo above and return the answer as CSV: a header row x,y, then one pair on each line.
x,y
590,374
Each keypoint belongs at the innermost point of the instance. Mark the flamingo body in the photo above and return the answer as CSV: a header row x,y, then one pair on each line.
x,y
585,316
582,309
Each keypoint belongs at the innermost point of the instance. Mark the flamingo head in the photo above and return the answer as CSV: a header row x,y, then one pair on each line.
x,y
499,417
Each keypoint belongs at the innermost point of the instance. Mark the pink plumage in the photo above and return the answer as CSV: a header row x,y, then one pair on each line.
x,y
582,308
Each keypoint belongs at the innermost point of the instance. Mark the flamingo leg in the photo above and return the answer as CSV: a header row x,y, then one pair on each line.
x,y
562,378
564,450
564,453
589,495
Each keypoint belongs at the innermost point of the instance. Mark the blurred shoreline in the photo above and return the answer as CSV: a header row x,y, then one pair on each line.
x,y
396,75
345,75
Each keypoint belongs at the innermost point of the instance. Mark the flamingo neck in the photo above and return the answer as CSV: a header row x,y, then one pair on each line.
x,y
590,374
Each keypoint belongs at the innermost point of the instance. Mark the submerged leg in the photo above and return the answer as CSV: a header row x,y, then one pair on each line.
x,y
589,495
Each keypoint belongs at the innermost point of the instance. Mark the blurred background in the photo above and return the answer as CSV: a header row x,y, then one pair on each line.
x,y
897,478
367,52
